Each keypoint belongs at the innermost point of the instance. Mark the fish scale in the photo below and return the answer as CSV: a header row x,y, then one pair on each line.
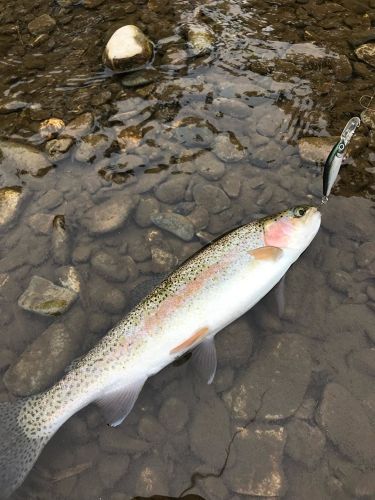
x,y
207,292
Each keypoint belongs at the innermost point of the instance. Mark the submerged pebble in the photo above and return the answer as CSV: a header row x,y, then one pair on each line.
x,y
44,297
10,202
176,224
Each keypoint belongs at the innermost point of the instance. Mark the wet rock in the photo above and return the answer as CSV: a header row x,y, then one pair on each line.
x,y
109,215
274,385
365,254
57,149
109,442
210,167
214,488
174,415
43,362
41,24
366,53
340,281
359,483
111,265
43,297
195,134
234,345
140,78
109,299
150,429
69,277
270,122
139,248
316,149
231,107
60,240
7,358
91,147
364,361
127,49
51,127
81,254
17,157
349,218
345,423
152,478
173,190
209,432
343,69
305,443
162,260
200,38
231,184
176,224
229,149
92,4
129,138
79,126
199,217
258,469
268,156
10,202
226,220
211,197
368,118
112,468
11,106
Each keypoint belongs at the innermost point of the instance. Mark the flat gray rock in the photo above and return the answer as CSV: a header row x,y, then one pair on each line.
x,y
177,224
16,157
43,362
257,471
341,416
275,384
305,443
44,297
211,197
109,215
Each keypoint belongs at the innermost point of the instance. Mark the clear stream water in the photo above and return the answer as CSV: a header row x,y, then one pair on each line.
x,y
291,413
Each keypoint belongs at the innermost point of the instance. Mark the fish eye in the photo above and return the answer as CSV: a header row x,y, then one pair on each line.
x,y
299,211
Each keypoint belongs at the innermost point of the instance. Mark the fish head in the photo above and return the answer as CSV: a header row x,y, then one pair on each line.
x,y
292,229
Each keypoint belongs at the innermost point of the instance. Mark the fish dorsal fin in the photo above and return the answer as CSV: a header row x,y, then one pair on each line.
x,y
271,254
205,360
116,405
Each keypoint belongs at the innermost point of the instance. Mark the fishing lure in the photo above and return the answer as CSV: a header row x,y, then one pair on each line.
x,y
335,157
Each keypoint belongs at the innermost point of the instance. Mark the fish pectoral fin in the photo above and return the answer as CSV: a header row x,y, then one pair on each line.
x,y
267,253
117,405
280,296
205,360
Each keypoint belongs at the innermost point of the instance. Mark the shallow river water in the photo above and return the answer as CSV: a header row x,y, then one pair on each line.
x,y
218,139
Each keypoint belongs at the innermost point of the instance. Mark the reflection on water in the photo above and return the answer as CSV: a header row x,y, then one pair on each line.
x,y
217,139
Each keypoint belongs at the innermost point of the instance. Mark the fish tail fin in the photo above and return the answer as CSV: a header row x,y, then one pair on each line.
x,y
21,441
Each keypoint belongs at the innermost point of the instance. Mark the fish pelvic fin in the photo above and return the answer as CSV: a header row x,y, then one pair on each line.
x,y
20,445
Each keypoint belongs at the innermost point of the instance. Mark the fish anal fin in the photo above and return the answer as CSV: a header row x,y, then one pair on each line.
x,y
205,360
117,404
267,253
186,344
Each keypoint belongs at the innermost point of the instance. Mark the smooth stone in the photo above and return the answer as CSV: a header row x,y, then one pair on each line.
x,y
346,424
151,478
112,468
109,215
231,107
268,156
10,202
57,149
11,106
368,118
150,429
60,240
111,442
211,197
177,224
366,53
270,121
139,248
107,298
234,345
44,297
43,362
210,167
127,49
274,385
162,260
7,358
24,158
51,127
210,432
343,69
316,149
231,183
257,471
69,277
229,150
140,78
196,134
305,443
91,147
364,361
199,217
111,266
200,38
340,281
41,24
174,415
79,126
173,190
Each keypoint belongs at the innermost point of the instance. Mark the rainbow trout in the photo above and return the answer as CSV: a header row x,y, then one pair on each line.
x,y
206,293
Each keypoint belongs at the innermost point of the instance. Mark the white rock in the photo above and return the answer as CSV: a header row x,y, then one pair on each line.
x,y
127,49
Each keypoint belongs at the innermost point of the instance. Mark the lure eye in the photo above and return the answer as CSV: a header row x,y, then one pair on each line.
x,y
341,147
299,211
